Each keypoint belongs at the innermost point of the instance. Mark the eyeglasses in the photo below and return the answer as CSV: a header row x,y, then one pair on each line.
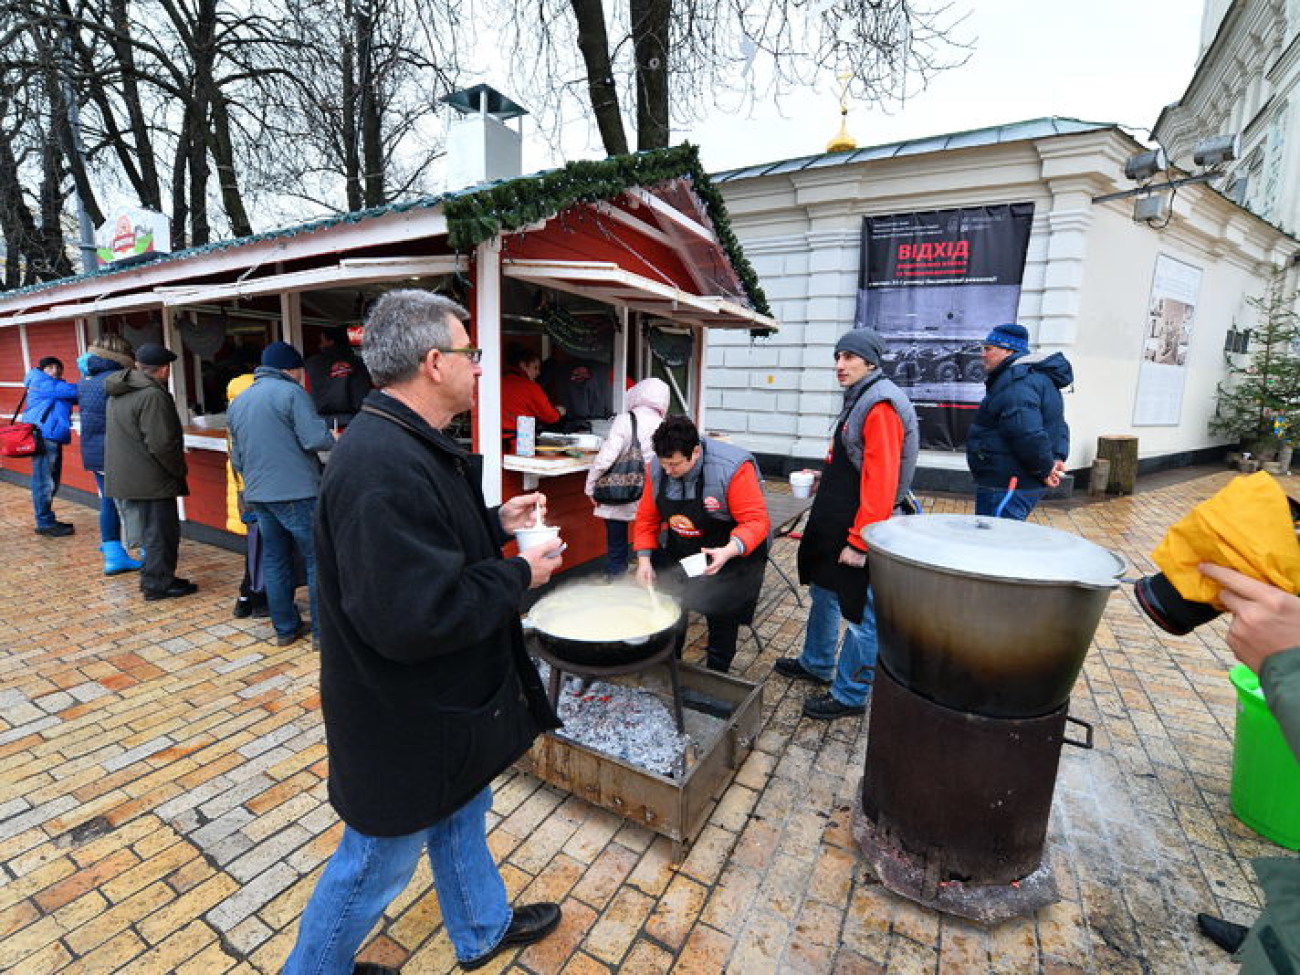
x,y
471,353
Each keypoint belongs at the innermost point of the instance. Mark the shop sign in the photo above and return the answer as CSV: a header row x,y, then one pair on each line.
x,y
132,235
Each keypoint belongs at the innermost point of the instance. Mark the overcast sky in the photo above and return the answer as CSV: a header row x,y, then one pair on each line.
x,y
1103,61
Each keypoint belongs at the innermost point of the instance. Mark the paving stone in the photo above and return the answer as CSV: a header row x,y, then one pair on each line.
x,y
166,805
761,944
618,925
550,955
251,896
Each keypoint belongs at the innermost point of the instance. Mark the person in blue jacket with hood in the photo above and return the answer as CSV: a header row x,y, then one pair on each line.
x,y
49,405
1019,429
111,353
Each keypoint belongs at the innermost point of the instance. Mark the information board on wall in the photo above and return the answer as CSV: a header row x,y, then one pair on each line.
x,y
1171,314
934,283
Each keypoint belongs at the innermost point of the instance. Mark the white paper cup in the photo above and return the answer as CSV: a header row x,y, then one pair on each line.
x,y
529,538
695,564
801,483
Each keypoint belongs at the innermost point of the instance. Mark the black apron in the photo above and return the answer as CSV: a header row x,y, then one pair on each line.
x,y
832,515
733,592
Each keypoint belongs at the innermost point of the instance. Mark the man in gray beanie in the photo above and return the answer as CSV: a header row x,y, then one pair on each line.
x,y
868,474
275,434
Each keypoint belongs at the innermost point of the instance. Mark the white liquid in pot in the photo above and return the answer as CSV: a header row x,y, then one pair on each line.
x,y
604,613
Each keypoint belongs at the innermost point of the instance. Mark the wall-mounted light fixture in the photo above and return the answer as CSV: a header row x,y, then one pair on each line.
x,y
1152,209
1216,150
1146,164
1154,205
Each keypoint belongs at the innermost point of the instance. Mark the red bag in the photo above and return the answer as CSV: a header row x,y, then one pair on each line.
x,y
20,439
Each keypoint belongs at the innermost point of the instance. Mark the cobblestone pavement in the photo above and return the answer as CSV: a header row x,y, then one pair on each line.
x,y
162,800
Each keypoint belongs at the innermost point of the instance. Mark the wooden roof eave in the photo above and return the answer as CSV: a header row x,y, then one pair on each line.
x,y
349,272
611,284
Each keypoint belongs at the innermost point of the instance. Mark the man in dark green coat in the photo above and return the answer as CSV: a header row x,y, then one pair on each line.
x,y
426,689
144,465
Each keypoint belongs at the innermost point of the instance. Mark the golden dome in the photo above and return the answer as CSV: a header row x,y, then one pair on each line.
x,y
843,140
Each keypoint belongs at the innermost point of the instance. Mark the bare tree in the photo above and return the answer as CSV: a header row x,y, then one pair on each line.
x,y
360,100
32,161
674,59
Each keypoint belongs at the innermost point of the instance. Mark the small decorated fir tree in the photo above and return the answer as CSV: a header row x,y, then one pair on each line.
x,y
1259,403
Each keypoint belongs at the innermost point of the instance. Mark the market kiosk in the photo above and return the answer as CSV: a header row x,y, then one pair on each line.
x,y
625,264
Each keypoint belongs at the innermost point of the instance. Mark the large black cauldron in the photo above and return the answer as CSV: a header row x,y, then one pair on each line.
x,y
574,625
987,615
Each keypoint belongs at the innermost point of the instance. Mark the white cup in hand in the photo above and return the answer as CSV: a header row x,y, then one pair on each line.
x,y
535,537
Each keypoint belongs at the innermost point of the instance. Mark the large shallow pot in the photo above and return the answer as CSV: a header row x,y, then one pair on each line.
x,y
604,626
987,615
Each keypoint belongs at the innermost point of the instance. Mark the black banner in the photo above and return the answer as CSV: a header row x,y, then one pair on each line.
x,y
934,283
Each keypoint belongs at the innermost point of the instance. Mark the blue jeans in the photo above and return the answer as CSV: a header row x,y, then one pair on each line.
x,y
1018,505
367,872
110,526
47,469
615,548
852,675
283,525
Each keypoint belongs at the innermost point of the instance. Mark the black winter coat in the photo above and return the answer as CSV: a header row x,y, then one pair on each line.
x,y
426,689
1020,429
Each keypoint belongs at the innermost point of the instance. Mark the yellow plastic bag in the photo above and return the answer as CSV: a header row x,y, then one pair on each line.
x,y
1247,526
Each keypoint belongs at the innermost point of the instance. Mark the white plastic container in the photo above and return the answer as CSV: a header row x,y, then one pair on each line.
x,y
534,536
694,565
801,483
526,436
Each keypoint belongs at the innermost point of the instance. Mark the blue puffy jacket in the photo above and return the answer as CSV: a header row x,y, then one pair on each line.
x,y
1020,429
43,390
93,401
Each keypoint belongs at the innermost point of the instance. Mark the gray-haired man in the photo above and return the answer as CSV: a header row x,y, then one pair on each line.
x,y
426,689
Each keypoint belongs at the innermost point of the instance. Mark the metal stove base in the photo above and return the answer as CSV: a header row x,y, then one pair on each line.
x,y
905,875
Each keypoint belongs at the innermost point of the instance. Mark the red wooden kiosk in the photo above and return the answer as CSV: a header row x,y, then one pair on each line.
x,y
626,256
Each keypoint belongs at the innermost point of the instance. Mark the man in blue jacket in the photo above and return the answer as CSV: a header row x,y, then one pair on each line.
x,y
275,433
1019,430
49,405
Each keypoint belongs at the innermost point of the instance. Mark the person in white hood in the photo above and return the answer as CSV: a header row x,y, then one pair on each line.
x,y
648,402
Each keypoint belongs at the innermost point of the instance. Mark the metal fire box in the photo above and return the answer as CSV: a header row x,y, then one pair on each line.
x,y
673,807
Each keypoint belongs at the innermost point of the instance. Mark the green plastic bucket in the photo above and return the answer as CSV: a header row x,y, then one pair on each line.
x,y
1265,773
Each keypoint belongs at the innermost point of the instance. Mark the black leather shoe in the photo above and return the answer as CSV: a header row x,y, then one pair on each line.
x,y
823,707
792,668
178,588
243,608
370,968
532,922
60,529
1225,934
289,639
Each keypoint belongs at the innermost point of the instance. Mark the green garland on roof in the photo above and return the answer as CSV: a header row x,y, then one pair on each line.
x,y
512,204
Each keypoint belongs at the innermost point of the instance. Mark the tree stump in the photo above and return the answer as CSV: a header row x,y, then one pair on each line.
x,y
1122,452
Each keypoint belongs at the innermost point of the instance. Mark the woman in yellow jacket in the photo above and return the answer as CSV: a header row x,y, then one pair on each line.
x,y
252,591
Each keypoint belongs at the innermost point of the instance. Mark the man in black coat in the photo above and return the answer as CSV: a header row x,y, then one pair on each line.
x,y
426,690
337,379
